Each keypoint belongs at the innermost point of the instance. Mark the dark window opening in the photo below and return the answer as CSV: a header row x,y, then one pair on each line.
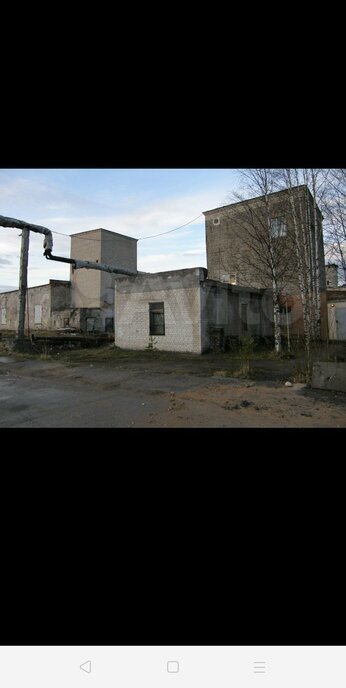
x,y
109,325
157,318
243,317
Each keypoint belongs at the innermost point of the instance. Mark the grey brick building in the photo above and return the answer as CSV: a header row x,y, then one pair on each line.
x,y
238,247
182,310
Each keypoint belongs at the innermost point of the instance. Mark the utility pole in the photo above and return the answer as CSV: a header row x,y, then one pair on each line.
x,y
23,283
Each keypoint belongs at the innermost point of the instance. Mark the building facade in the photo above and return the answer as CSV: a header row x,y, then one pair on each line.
x,y
193,309
93,290
336,301
251,241
182,310
45,307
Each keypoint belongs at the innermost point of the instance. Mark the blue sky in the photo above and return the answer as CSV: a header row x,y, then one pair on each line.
x,y
135,202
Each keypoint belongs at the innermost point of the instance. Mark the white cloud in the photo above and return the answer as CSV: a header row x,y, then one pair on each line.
x,y
199,250
161,262
52,206
139,220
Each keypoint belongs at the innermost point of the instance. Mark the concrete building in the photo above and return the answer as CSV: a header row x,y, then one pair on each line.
x,y
182,310
92,291
85,302
238,249
45,307
336,303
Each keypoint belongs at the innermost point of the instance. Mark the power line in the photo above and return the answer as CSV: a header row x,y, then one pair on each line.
x,y
171,230
61,234
152,236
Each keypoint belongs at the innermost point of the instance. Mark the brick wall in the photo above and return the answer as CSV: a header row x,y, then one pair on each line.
x,y
193,308
8,310
46,297
39,296
179,290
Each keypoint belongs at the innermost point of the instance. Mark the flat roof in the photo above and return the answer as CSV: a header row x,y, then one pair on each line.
x,y
98,229
176,272
38,286
256,198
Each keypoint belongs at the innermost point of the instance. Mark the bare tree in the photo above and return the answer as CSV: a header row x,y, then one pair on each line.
x,y
306,223
294,261
261,254
334,211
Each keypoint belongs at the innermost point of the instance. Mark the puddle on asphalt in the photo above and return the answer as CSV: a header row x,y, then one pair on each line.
x,y
6,359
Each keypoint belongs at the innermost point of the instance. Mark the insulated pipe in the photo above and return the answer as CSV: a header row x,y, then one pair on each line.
x,y
60,259
48,246
20,224
88,265
101,266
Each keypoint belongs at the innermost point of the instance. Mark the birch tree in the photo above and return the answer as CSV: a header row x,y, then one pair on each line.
x,y
261,254
334,211
308,243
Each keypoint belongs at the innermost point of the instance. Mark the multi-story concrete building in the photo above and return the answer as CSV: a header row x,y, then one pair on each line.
x,y
245,239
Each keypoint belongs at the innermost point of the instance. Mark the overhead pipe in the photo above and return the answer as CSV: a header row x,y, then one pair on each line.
x,y
48,247
89,265
21,224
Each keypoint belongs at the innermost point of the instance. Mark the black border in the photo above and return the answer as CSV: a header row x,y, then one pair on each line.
x,y
112,547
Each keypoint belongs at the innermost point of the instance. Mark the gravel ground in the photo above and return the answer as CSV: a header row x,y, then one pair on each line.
x,y
167,392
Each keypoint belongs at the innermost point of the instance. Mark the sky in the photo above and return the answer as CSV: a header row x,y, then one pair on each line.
x,y
134,202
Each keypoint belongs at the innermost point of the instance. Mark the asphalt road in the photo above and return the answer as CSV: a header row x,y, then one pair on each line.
x,y
37,394
48,394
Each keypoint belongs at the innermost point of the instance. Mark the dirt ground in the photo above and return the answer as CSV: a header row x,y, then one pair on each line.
x,y
159,390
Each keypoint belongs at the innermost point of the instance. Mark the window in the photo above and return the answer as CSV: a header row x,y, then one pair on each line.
x,y
278,227
109,325
254,303
38,315
216,221
3,316
229,277
157,318
243,318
